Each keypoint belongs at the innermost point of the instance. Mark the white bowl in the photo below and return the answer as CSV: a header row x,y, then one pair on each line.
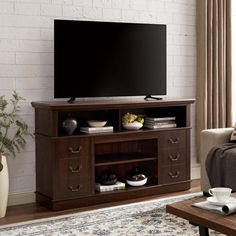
x,y
133,125
97,123
137,183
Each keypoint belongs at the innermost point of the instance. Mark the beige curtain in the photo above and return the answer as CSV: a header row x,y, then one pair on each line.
x,y
213,105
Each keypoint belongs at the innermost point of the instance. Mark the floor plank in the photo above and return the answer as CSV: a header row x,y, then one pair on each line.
x,y
33,211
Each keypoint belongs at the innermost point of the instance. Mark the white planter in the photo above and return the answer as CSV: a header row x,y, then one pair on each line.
x,y
4,187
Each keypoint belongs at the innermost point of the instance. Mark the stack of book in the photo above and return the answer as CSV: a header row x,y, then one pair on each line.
x,y
103,188
96,129
160,122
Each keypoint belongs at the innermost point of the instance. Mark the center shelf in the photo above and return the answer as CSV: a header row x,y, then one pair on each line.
x,y
118,158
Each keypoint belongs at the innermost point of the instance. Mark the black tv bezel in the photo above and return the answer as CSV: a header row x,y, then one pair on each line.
x,y
146,96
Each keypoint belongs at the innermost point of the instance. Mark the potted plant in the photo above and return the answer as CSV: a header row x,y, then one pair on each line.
x,y
13,131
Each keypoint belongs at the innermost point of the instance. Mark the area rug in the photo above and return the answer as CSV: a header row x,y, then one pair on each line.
x,y
144,218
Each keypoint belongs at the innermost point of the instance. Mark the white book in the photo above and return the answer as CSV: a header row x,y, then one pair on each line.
x,y
96,129
160,118
159,122
103,188
160,126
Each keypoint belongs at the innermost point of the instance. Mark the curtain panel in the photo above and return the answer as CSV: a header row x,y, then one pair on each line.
x,y
214,66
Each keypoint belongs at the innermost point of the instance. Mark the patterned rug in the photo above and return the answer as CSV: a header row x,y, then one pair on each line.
x,y
144,218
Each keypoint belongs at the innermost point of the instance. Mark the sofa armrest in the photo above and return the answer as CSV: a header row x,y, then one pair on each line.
x,y
208,139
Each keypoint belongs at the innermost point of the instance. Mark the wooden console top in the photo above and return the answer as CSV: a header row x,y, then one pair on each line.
x,y
112,103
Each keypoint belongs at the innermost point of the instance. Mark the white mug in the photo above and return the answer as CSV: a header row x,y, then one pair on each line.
x,y
221,194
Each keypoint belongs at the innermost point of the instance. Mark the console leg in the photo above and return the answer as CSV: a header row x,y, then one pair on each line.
x,y
203,231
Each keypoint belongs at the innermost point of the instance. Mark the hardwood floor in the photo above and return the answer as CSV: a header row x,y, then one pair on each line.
x,y
32,211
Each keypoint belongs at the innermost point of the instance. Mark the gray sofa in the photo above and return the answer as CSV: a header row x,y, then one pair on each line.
x,y
210,138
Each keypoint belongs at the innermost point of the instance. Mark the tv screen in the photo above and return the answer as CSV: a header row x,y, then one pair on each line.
x,y
103,59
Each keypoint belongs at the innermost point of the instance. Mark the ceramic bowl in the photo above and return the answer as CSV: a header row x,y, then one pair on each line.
x,y
133,125
137,183
96,123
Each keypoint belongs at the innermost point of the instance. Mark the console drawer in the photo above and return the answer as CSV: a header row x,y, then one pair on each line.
x,y
172,174
172,139
72,147
172,156
73,178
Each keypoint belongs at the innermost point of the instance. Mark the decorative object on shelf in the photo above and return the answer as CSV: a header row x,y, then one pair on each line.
x,y
69,124
160,122
113,187
136,178
135,125
10,142
132,121
96,123
137,183
108,178
96,129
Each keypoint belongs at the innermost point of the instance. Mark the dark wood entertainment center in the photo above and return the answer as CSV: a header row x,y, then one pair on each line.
x,y
67,166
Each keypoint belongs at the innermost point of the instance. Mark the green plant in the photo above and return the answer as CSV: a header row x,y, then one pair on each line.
x,y
13,129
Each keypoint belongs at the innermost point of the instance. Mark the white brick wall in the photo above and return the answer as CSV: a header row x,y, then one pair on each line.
x,y
27,9
26,54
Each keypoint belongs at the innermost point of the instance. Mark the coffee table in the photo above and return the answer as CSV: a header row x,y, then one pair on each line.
x,y
203,218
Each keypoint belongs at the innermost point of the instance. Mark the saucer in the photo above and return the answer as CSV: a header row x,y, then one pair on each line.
x,y
213,200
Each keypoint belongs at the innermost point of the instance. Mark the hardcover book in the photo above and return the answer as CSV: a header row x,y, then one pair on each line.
x,y
103,188
96,129
159,122
160,118
160,126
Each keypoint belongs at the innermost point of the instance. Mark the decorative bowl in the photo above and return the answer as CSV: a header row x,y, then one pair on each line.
x,y
137,183
108,178
96,123
135,125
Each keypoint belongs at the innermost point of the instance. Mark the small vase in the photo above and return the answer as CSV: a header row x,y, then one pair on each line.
x,y
69,125
4,186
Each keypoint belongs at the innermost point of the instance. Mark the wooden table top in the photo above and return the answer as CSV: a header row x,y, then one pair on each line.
x,y
202,217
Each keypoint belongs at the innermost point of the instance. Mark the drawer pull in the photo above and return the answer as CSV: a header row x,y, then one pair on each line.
x,y
72,189
78,150
173,176
174,158
75,170
174,141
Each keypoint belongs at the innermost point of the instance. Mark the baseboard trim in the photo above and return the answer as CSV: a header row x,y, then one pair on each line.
x,y
195,172
21,198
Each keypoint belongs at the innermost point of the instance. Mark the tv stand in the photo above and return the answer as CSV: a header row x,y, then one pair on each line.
x,y
68,166
151,97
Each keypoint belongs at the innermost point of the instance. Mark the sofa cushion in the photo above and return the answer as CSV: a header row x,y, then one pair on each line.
x,y
233,136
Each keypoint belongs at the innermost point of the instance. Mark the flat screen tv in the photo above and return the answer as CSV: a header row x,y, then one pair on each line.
x,y
108,59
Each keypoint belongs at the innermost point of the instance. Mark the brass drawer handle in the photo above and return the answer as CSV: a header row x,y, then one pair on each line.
x,y
72,189
78,150
174,141
75,170
174,158
173,176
